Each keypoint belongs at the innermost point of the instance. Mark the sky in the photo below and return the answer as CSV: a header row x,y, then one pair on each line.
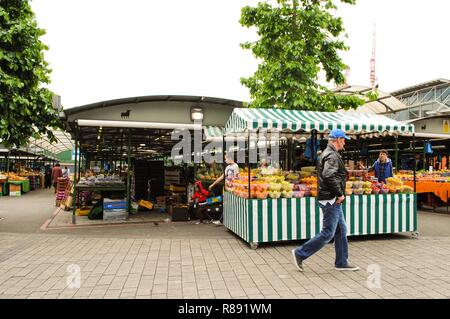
x,y
108,49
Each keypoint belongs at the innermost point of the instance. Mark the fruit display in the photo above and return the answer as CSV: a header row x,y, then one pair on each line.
x,y
274,183
14,177
206,174
425,176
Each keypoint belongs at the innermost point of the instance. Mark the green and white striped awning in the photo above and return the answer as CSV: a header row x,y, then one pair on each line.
x,y
213,132
243,119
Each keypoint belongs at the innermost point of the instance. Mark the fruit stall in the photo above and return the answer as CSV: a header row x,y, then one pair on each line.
x,y
270,205
435,183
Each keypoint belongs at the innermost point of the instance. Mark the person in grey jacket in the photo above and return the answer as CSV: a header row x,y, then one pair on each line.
x,y
332,176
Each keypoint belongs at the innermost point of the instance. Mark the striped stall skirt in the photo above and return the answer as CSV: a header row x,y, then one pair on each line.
x,y
271,220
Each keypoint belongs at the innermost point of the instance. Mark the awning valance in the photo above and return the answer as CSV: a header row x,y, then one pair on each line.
x,y
213,132
243,119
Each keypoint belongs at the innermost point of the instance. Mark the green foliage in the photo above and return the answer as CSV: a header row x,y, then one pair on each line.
x,y
372,95
26,106
297,40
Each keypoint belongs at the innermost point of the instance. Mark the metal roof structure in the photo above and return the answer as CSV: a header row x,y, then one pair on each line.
x,y
385,103
420,86
64,142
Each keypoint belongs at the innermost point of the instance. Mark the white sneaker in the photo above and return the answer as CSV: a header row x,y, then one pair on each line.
x,y
217,222
348,267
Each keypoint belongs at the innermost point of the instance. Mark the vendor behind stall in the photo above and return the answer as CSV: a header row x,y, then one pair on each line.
x,y
231,172
383,167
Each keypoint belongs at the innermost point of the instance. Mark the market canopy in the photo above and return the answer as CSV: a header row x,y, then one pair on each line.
x,y
213,132
243,119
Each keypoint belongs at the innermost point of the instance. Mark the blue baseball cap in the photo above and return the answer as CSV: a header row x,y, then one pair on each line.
x,y
338,133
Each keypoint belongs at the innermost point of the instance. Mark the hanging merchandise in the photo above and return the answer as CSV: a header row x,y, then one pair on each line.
x,y
428,148
365,149
311,149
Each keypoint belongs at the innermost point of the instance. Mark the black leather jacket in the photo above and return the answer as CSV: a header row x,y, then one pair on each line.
x,y
332,174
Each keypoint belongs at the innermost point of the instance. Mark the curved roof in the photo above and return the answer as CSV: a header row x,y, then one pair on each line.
x,y
64,142
420,86
155,98
385,102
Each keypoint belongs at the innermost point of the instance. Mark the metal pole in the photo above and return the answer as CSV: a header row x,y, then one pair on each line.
x,y
128,172
7,162
75,182
414,160
248,164
396,154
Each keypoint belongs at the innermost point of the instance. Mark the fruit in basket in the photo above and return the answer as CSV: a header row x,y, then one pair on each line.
x,y
367,191
310,169
349,184
358,191
298,194
286,194
313,192
286,186
348,191
274,194
367,185
394,181
274,187
358,184
262,195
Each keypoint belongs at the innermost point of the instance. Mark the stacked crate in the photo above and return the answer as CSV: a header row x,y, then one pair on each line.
x,y
61,189
35,182
15,190
115,209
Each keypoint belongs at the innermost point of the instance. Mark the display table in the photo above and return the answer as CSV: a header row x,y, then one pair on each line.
x,y
271,220
25,185
440,189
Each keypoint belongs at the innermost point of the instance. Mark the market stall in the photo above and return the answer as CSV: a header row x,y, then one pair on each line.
x,y
272,206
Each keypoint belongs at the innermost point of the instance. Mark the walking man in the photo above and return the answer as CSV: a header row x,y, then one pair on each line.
x,y
332,176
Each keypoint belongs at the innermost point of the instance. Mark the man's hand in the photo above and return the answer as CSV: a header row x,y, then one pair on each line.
x,y
341,199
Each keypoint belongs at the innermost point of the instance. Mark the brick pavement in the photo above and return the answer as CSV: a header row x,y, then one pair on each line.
x,y
36,266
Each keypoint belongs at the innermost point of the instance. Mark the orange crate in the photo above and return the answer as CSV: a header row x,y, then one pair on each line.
x,y
15,188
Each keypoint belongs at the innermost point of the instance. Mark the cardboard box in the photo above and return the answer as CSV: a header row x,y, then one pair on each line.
x,y
160,200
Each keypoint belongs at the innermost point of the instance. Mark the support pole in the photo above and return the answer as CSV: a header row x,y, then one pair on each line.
x,y
396,154
414,160
75,181
223,161
248,164
128,172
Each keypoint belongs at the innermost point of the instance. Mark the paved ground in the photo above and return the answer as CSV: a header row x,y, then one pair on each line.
x,y
204,261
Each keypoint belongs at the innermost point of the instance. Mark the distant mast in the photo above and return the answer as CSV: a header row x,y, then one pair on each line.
x,y
372,62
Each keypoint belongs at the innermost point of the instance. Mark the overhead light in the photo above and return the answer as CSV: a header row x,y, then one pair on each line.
x,y
196,114
132,124
141,144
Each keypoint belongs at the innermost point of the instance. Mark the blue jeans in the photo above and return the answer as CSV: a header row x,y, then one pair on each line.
x,y
333,226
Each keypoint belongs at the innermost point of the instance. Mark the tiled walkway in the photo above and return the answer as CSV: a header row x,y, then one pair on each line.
x,y
39,266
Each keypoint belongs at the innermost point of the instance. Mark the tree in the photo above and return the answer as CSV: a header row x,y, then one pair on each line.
x,y
297,40
26,105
